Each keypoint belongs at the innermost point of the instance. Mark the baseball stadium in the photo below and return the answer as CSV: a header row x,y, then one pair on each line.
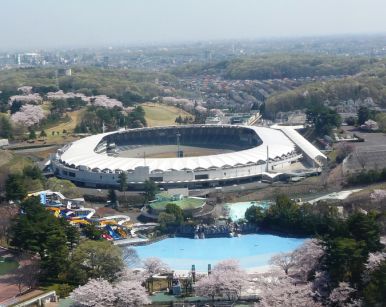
x,y
192,156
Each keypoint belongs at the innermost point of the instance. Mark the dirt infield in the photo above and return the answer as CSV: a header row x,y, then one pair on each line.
x,y
170,151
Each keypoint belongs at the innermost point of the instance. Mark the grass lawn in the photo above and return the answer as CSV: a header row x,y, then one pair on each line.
x,y
75,118
14,163
184,204
162,115
7,265
5,157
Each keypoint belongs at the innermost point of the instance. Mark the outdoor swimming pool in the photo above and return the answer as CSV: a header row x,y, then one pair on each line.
x,y
252,251
237,210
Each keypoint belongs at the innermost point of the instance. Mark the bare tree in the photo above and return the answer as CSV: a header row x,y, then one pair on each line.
x,y
130,257
154,265
285,261
27,274
7,212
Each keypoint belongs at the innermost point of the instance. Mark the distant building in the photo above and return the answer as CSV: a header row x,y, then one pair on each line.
x,y
64,72
213,120
4,142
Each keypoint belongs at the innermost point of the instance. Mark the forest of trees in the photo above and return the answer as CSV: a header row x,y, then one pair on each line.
x,y
360,87
128,86
279,66
114,118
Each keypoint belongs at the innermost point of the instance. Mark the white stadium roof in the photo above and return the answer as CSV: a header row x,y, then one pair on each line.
x,y
310,150
81,153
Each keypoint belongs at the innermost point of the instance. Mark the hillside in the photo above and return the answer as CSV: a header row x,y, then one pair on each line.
x,y
162,115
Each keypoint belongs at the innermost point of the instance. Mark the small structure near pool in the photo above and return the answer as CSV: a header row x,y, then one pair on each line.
x,y
191,206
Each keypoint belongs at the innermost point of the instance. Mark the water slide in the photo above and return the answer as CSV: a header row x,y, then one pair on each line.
x,y
84,212
112,233
80,221
122,233
120,219
55,210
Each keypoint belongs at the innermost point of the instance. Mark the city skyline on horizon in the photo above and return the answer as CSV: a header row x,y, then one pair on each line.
x,y
56,24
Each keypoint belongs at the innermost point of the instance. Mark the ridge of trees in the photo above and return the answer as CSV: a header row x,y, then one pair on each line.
x,y
94,117
279,66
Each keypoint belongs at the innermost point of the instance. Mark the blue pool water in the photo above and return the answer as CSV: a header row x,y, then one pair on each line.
x,y
237,210
251,250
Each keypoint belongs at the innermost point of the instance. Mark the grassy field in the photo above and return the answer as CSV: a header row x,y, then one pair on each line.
x,y
184,204
13,163
162,115
75,117
5,157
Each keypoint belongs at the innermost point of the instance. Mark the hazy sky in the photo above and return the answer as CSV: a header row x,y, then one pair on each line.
x,y
57,23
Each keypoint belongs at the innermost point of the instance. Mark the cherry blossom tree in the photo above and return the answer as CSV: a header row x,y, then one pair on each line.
x,y
201,109
97,293
373,262
307,258
281,290
302,260
28,98
25,89
321,284
129,274
378,195
106,102
130,293
227,279
60,95
28,115
126,291
341,295
154,265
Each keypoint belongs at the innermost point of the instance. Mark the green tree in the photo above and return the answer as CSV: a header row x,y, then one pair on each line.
x,y
364,228
35,230
323,118
363,115
72,233
345,258
33,172
6,130
66,187
92,232
112,196
150,188
55,259
14,187
166,219
32,134
254,214
284,215
95,259
374,293
43,134
122,179
176,211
